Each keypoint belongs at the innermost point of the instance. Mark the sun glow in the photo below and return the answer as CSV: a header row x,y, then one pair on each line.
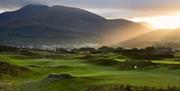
x,y
162,22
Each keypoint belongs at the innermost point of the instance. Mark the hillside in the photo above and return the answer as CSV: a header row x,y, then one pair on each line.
x,y
167,38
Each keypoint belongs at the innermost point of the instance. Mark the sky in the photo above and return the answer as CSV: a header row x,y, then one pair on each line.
x,y
154,12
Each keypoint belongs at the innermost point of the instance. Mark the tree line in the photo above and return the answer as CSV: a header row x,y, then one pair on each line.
x,y
148,53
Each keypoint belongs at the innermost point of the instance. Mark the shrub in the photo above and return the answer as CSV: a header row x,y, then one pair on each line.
x,y
88,57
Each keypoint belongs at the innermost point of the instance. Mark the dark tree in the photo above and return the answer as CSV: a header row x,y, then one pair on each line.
x,y
87,49
106,49
61,50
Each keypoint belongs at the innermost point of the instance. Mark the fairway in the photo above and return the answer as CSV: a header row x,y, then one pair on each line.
x,y
167,62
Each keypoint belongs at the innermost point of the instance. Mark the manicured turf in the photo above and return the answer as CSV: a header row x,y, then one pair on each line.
x,y
86,75
167,62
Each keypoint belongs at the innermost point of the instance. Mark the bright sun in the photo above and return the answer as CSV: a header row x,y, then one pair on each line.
x,y
162,22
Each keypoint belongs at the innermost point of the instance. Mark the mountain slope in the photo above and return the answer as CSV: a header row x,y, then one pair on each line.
x,y
167,38
118,30
40,25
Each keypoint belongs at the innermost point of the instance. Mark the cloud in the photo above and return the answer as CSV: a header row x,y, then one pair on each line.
x,y
107,8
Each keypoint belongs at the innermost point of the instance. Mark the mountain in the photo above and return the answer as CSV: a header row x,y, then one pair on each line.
x,y
118,30
40,25
163,37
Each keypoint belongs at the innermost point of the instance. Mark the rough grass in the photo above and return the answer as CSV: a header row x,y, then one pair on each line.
x,y
7,69
129,88
7,87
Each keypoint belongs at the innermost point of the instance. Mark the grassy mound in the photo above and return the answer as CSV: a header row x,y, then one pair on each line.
x,y
129,88
136,64
11,70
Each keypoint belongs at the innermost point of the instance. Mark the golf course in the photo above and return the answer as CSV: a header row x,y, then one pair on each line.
x,y
85,71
